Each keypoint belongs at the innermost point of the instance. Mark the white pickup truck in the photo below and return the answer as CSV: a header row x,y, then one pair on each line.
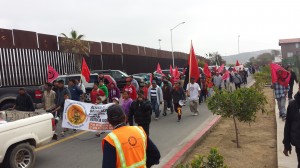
x,y
19,137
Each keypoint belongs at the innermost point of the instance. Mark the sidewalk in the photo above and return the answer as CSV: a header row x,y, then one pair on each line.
x,y
283,161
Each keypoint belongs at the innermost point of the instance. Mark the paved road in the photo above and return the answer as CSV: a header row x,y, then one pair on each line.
x,y
84,151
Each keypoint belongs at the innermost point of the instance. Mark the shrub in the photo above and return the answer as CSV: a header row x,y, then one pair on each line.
x,y
212,160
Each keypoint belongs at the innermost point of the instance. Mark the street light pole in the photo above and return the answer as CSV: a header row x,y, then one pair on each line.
x,y
172,40
159,40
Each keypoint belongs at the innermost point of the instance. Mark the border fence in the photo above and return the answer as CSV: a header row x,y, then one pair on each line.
x,y
24,56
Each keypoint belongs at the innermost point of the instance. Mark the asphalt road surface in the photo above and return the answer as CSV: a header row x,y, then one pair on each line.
x,y
83,150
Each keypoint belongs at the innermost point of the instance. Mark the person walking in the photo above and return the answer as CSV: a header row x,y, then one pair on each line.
x,y
145,89
135,83
126,103
178,95
141,111
80,85
292,127
74,90
156,98
237,80
62,93
293,79
95,93
203,86
103,87
48,97
113,92
130,89
23,101
280,95
167,90
127,146
193,92
58,112
217,80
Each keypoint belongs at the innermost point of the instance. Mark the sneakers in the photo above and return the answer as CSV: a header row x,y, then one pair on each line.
x,y
62,134
156,118
196,113
164,114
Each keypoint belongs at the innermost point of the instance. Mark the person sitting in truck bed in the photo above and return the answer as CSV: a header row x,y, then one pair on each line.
x,y
23,101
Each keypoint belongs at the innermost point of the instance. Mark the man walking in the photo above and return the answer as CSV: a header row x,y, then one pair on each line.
x,y
218,81
237,80
280,95
127,146
156,98
130,89
291,83
178,95
193,92
167,90
135,83
49,97
75,91
141,111
292,127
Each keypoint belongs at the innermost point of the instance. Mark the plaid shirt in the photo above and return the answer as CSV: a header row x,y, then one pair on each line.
x,y
280,91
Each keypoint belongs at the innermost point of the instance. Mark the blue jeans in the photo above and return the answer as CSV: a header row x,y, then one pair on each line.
x,y
155,107
281,106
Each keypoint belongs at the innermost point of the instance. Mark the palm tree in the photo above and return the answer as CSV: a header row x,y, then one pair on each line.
x,y
74,44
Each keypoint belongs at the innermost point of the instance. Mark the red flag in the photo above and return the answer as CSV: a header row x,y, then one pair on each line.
x,y
280,75
193,63
52,74
158,69
171,70
221,68
206,70
225,75
237,63
176,73
85,71
151,78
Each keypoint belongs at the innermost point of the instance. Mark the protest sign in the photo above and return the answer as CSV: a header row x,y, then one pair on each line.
x,y
86,116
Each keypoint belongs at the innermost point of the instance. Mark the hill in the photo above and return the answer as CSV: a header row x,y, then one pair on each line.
x,y
244,57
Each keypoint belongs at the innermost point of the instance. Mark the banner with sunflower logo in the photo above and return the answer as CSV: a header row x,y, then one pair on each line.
x,y
86,116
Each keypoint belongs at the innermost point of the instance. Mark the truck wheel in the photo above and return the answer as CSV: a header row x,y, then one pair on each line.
x,y
22,156
7,106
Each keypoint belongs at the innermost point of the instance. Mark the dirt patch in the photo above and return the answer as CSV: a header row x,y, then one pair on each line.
x,y
258,141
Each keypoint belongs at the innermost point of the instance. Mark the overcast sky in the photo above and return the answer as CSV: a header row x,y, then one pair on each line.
x,y
213,25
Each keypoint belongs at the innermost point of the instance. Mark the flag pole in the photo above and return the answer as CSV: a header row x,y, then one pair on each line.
x,y
190,67
190,62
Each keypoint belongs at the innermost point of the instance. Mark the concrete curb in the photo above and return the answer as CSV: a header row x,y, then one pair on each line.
x,y
191,144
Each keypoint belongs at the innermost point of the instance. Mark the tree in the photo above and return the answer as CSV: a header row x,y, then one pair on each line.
x,y
241,105
215,58
74,44
201,63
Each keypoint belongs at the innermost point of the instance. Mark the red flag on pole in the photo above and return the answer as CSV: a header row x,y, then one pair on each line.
x,y
151,78
221,68
280,75
85,71
237,63
206,70
193,63
52,74
225,75
158,69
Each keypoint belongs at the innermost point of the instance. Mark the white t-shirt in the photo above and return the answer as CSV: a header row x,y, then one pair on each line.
x,y
194,91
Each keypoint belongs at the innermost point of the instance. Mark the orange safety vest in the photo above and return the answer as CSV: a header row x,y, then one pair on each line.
x,y
130,143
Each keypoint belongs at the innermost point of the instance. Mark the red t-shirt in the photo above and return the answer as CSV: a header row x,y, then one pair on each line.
x,y
95,94
132,91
